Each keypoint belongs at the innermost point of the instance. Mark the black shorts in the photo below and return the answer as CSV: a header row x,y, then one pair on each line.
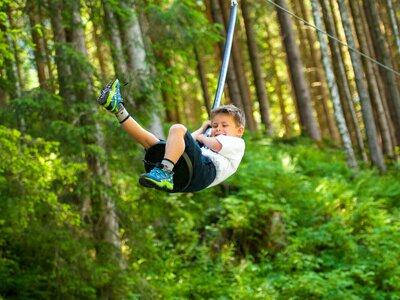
x,y
203,168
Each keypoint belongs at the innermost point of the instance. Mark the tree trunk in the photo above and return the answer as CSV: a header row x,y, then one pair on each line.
x,y
308,71
367,113
258,75
50,84
63,67
114,38
17,60
333,89
288,130
38,43
372,83
9,67
323,94
391,90
342,82
307,120
138,69
203,80
106,228
96,36
393,23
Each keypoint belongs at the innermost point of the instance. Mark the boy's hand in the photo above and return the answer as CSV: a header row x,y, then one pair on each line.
x,y
201,130
206,124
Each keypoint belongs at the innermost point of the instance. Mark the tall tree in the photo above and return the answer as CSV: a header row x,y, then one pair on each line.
x,y
333,89
393,22
40,54
307,120
16,52
114,39
381,115
203,79
342,81
381,52
366,106
258,75
287,126
106,228
94,10
323,94
139,71
64,72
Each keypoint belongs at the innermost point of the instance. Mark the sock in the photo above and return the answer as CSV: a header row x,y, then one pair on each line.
x,y
169,165
122,114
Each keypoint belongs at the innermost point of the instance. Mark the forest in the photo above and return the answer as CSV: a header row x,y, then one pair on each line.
x,y
313,209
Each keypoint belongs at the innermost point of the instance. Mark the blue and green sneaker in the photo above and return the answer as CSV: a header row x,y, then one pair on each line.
x,y
159,178
110,97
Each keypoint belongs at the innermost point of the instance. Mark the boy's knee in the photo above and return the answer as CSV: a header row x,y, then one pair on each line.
x,y
178,129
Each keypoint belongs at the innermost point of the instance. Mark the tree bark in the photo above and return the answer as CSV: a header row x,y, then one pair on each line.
x,y
307,120
381,115
333,89
342,82
97,200
381,51
203,80
288,130
139,71
39,53
367,113
63,67
258,75
17,60
393,23
114,37
323,94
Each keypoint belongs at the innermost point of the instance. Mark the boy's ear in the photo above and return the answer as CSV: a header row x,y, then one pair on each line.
x,y
240,130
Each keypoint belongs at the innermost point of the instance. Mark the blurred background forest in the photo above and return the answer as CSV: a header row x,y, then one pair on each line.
x,y
312,213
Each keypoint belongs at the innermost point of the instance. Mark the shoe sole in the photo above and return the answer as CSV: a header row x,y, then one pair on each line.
x,y
149,183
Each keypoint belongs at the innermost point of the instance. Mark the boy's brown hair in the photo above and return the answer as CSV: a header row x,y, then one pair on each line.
x,y
232,110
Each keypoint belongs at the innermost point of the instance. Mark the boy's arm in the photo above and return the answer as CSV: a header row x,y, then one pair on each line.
x,y
201,130
210,141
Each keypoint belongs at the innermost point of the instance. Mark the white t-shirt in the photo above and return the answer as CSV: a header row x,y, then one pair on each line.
x,y
227,160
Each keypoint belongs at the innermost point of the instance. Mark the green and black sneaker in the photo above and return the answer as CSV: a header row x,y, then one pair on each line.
x,y
159,178
110,97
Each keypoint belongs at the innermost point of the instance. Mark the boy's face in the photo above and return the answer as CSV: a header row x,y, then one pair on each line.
x,y
225,124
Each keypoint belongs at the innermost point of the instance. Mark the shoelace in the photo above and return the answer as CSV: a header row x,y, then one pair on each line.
x,y
159,171
108,86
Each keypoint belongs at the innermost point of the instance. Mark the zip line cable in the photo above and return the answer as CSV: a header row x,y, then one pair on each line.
x,y
335,38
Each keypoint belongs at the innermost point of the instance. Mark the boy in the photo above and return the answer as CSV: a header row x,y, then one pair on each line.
x,y
216,160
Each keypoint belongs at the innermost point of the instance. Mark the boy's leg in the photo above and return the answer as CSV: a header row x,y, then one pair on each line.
x,y
138,133
111,99
175,143
161,176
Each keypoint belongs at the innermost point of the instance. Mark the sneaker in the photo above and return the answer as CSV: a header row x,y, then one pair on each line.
x,y
110,97
159,178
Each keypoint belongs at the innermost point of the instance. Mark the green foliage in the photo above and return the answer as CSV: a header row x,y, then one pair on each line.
x,y
42,252
293,223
